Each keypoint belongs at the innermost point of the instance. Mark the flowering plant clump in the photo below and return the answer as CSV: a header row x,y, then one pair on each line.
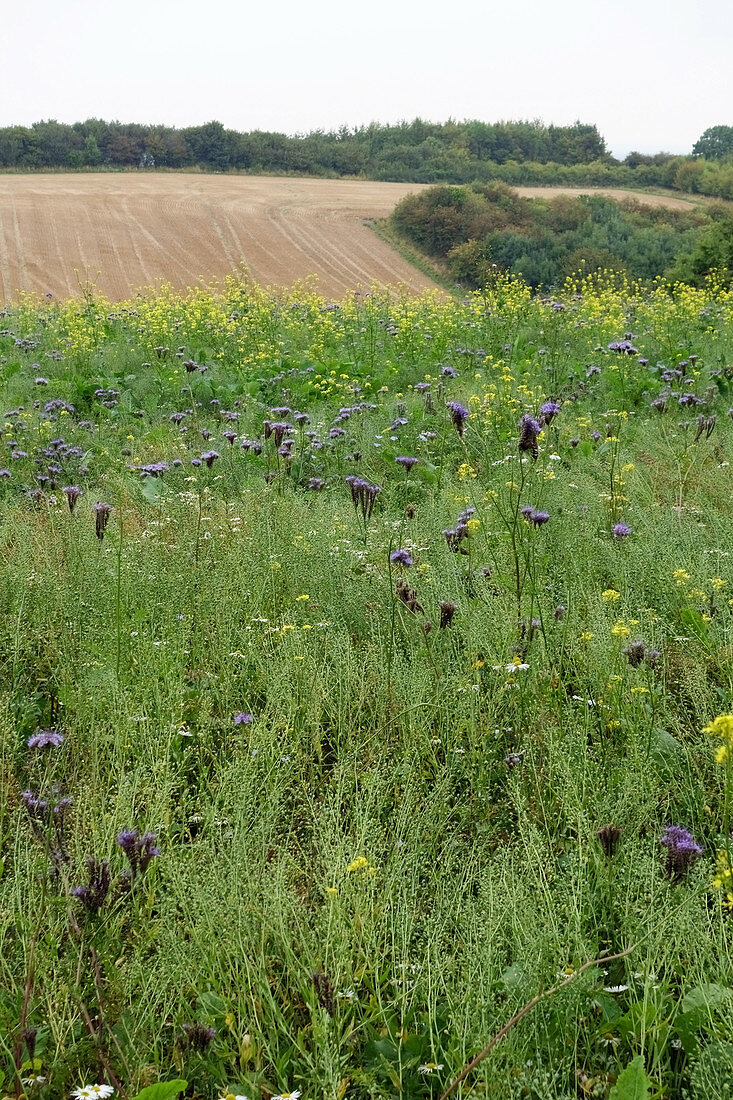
x,y
722,728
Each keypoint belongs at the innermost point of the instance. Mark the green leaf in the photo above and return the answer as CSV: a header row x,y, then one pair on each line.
x,y
633,1083
152,489
163,1090
705,997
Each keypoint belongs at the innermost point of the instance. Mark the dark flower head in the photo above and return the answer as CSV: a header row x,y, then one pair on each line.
x,y
406,462
401,557
559,612
529,429
316,484
635,653
42,739
683,851
447,611
459,414
93,895
198,1036
209,457
538,519
609,837
449,372
621,531
102,513
409,597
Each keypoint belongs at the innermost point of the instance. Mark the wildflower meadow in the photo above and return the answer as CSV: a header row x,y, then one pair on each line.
x,y
366,694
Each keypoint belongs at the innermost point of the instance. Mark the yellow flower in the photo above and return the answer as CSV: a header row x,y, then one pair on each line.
x,y
681,575
473,525
586,637
620,630
610,595
722,727
303,597
359,864
718,582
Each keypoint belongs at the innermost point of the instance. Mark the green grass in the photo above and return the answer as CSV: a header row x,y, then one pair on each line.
x,y
405,818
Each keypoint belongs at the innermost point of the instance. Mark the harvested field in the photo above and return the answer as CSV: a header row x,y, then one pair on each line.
x,y
617,193
126,231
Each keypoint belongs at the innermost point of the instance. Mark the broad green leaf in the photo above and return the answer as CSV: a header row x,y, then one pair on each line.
x,y
633,1083
705,997
163,1090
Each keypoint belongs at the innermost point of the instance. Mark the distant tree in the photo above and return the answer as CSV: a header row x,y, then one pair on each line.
x,y
715,143
92,153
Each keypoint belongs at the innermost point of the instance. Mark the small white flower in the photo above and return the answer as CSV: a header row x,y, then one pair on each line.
x,y
288,1095
430,1067
32,1079
615,988
346,994
90,1092
231,1096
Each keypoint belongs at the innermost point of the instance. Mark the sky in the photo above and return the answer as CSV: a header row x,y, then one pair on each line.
x,y
651,74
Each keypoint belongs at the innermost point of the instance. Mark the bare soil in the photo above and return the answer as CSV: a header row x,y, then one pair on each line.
x,y
127,231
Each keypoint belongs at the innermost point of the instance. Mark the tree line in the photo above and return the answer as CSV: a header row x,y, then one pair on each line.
x,y
517,153
407,148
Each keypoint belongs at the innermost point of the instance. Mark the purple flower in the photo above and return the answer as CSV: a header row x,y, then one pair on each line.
x,y
549,410
363,494
315,484
138,849
683,851
401,557
406,462
449,372
209,457
93,895
529,429
624,347
459,414
242,718
533,515
73,492
41,381
43,738
621,531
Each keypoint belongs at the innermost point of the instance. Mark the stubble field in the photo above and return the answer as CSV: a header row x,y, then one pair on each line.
x,y
125,231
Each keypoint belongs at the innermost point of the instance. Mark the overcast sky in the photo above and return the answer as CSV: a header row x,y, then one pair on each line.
x,y
652,74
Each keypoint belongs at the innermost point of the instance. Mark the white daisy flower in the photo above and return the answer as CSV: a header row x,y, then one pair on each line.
x,y
91,1092
615,988
288,1095
32,1079
430,1067
231,1096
